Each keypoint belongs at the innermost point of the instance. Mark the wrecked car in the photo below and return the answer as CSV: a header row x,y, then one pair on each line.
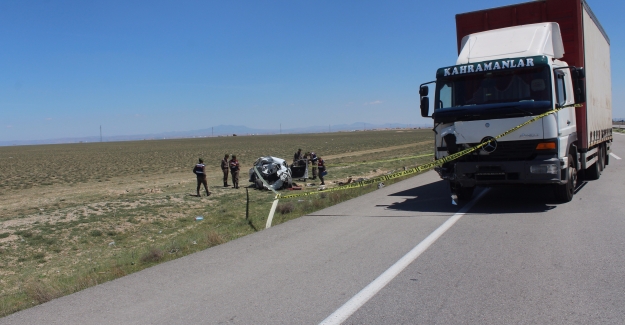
x,y
274,171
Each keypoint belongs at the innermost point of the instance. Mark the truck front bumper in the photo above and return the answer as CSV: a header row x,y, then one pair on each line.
x,y
541,170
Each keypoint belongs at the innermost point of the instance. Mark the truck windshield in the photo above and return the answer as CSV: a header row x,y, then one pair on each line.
x,y
506,86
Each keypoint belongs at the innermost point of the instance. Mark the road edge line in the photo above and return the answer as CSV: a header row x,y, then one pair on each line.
x,y
357,301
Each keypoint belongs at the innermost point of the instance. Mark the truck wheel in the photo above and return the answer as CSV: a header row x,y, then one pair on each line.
x,y
463,193
565,192
593,172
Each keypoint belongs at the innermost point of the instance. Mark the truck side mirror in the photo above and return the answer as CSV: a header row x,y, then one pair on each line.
x,y
579,85
425,105
425,101
579,90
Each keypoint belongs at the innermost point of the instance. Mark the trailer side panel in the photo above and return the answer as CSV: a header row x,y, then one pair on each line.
x,y
598,82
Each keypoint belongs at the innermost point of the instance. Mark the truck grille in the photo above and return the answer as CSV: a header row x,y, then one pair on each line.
x,y
508,151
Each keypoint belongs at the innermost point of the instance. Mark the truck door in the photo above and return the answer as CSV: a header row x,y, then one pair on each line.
x,y
564,96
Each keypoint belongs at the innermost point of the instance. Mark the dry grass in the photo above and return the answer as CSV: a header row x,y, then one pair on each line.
x,y
40,292
213,238
152,255
284,208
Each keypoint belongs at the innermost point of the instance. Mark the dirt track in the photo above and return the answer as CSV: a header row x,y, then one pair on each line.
x,y
364,152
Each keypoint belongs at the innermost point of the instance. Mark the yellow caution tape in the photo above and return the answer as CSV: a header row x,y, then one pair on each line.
x,y
427,166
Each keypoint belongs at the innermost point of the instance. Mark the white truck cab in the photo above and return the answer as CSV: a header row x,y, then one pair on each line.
x,y
503,78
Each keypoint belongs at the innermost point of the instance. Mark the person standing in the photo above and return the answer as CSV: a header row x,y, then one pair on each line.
x,y
234,170
200,172
297,156
224,169
322,169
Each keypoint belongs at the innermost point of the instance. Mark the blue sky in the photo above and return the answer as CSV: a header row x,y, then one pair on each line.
x,y
67,67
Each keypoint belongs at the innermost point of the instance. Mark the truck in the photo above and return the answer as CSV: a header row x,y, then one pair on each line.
x,y
515,63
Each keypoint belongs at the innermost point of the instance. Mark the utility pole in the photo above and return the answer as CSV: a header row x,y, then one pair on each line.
x,y
364,126
212,132
100,133
280,128
329,128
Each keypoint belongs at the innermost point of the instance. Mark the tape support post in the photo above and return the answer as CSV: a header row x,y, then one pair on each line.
x,y
427,166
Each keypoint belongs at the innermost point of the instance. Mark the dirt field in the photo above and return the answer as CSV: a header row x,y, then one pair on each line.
x,y
75,215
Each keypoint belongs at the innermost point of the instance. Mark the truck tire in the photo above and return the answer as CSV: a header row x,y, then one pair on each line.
x,y
463,193
593,172
564,193
603,157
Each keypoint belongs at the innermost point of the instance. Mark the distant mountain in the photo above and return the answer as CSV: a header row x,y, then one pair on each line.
x,y
220,130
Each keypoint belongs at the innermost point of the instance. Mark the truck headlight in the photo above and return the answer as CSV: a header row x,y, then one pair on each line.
x,y
544,169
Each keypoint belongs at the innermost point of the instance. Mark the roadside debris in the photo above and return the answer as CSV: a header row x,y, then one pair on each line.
x,y
348,181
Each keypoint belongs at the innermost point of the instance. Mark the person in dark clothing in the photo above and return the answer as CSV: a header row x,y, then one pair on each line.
x,y
297,156
200,172
321,165
224,169
234,170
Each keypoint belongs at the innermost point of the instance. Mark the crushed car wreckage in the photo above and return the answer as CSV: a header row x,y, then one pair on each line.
x,y
276,173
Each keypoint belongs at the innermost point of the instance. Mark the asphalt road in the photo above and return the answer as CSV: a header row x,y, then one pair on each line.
x,y
515,257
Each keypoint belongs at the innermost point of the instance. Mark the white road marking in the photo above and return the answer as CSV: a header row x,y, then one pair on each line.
x,y
615,156
357,301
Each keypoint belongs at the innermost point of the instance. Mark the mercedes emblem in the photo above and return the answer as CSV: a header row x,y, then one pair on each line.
x,y
490,146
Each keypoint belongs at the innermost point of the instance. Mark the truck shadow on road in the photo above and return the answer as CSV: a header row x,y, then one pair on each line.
x,y
436,197
432,197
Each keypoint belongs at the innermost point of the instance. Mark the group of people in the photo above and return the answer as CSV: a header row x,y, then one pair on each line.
x,y
318,164
232,166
